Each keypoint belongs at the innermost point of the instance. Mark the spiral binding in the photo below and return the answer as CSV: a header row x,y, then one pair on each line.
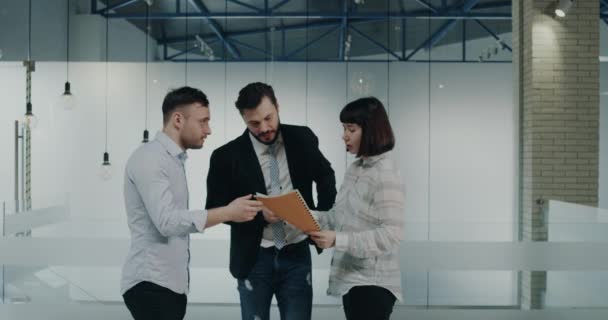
x,y
308,209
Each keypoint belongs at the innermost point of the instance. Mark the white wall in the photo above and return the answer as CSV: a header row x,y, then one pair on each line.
x,y
48,31
454,128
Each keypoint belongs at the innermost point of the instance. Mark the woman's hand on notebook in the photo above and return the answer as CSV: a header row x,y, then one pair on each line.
x,y
269,216
324,239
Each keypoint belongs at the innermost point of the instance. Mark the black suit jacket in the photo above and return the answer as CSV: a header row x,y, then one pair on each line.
x,y
235,171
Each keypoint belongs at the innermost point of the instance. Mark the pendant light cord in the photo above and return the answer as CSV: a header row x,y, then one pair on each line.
x,y
107,83
146,66
67,46
187,49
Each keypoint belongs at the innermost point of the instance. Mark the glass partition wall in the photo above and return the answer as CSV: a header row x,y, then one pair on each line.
x,y
446,83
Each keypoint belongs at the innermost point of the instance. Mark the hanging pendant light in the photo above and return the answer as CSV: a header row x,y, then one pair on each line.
x,y
30,120
67,100
106,167
146,138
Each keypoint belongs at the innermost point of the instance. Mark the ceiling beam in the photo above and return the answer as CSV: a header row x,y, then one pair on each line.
x,y
115,6
215,27
424,15
246,5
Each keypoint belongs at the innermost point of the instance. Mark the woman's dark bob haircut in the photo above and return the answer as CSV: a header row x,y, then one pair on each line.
x,y
377,135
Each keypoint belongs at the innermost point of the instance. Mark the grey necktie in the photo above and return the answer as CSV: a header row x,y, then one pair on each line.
x,y
278,232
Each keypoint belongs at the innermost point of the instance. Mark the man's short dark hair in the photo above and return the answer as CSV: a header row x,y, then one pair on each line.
x,y
181,97
377,135
251,96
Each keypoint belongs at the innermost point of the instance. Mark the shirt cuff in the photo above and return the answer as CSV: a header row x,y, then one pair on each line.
x,y
341,241
199,220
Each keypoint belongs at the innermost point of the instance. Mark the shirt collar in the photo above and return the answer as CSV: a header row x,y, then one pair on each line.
x,y
370,161
260,148
171,147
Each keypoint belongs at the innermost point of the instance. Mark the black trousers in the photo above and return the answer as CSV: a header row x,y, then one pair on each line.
x,y
369,303
149,301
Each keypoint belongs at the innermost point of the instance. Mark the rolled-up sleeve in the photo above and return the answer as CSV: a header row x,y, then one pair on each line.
x,y
326,219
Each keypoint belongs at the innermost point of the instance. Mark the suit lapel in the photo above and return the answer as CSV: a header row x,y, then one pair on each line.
x,y
291,152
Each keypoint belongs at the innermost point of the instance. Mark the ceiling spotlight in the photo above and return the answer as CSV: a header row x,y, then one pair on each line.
x,y
502,44
562,8
347,45
206,50
200,42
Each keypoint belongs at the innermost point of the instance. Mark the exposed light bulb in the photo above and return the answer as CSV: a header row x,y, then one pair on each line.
x,y
105,172
361,83
30,119
67,99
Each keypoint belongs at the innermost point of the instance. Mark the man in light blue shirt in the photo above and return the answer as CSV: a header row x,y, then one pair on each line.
x,y
156,275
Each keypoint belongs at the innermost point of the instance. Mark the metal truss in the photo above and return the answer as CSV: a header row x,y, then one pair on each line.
x,y
344,22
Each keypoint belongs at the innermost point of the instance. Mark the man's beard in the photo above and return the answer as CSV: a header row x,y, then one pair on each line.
x,y
276,136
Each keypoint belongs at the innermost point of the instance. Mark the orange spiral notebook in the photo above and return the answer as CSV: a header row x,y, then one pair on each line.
x,y
292,208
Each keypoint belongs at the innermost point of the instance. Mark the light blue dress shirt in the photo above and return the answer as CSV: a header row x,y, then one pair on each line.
x,y
156,201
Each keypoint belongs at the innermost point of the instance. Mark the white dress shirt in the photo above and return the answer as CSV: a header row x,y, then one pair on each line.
x,y
292,234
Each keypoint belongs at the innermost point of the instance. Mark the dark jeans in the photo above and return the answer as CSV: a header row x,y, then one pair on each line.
x,y
369,303
285,273
149,301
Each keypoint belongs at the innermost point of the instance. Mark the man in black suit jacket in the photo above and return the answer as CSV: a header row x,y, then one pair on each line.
x,y
268,256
